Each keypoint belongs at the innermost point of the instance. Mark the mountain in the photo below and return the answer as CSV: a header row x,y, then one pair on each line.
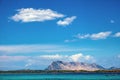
x,y
60,65
113,68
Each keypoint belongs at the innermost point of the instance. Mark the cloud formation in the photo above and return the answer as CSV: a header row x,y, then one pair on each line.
x,y
31,15
82,36
16,49
79,57
5,58
72,40
100,35
117,34
56,56
75,57
42,59
66,21
94,36
30,48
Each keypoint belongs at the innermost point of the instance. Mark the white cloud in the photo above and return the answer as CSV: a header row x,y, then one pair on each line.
x,y
100,35
79,57
117,34
95,36
76,57
50,58
66,21
30,48
67,41
56,56
81,36
88,57
28,64
31,15
17,49
25,62
13,58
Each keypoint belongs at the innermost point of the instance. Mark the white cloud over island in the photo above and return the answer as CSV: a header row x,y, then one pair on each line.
x,y
78,57
75,57
24,56
41,59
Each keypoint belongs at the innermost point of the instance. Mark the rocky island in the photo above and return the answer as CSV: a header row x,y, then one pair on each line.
x,y
69,67
60,65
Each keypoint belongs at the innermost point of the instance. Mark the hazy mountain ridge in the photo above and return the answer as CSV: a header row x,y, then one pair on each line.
x,y
60,65
113,68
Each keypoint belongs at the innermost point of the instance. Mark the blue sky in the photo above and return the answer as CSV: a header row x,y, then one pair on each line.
x,y
35,33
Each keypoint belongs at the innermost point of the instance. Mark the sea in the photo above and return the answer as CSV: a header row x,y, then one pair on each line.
x,y
61,76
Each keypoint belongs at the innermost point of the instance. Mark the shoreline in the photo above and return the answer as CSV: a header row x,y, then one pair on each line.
x,y
58,72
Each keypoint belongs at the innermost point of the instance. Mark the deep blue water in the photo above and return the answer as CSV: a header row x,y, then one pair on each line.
x,y
67,76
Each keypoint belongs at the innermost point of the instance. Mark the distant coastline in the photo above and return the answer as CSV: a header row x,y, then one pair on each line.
x,y
58,71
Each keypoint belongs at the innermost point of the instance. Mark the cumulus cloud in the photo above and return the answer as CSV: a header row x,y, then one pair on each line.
x,y
88,57
82,36
31,15
78,57
117,34
101,35
66,21
95,36
75,57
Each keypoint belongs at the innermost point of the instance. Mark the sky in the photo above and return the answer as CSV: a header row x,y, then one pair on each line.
x,y
33,33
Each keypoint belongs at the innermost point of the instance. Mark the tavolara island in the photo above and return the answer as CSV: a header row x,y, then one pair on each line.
x,y
69,67
60,65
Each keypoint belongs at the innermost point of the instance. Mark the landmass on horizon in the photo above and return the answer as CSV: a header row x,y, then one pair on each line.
x,y
69,67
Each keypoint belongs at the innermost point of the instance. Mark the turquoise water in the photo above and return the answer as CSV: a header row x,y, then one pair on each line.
x,y
67,76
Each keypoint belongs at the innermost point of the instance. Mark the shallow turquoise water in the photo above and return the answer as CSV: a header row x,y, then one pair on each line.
x,y
67,76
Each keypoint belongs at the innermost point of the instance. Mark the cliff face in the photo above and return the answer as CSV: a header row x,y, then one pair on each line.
x,y
60,65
